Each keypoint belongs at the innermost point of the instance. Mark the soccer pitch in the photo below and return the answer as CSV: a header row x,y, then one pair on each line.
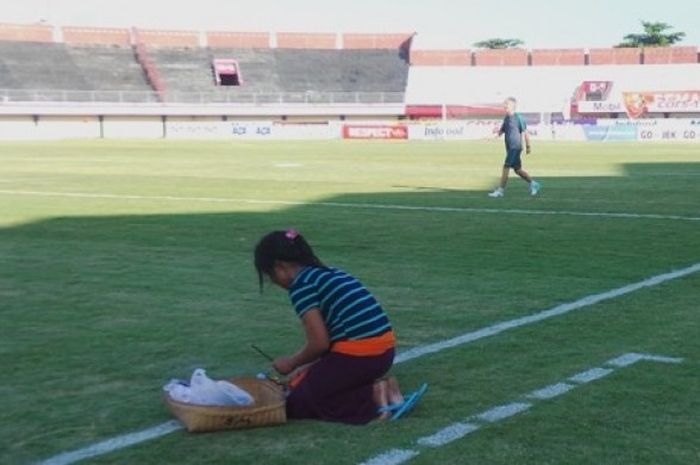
x,y
125,264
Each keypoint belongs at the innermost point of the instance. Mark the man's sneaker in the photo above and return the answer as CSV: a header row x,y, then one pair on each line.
x,y
535,187
497,193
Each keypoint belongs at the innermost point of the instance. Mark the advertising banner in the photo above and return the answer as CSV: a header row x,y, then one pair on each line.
x,y
607,106
669,130
197,129
454,130
470,130
251,130
640,103
219,130
653,134
378,131
626,132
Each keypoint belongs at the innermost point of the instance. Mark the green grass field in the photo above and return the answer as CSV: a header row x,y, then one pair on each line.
x,y
147,274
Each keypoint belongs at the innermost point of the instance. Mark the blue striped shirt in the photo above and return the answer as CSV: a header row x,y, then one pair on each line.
x,y
349,310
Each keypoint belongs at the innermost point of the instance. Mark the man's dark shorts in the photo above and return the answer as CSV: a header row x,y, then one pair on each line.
x,y
513,159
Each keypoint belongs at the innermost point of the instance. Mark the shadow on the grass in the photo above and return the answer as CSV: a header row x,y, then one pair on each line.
x,y
114,303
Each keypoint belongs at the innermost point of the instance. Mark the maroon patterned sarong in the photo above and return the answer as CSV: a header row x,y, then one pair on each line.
x,y
339,388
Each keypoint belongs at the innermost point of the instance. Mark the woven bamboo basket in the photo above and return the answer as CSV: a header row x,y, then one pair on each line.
x,y
268,409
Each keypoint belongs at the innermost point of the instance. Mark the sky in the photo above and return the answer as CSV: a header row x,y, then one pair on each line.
x,y
438,23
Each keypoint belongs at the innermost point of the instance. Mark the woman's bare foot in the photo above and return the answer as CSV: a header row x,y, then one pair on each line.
x,y
380,393
393,392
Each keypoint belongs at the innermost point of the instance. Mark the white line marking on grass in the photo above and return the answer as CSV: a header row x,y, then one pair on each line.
x,y
373,206
625,360
460,429
446,435
493,330
551,391
543,315
392,457
113,444
591,375
631,358
661,359
501,412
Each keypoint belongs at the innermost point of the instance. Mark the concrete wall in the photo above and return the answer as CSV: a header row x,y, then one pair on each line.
x,y
49,127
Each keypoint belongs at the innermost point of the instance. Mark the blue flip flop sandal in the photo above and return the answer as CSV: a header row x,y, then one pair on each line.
x,y
390,408
408,404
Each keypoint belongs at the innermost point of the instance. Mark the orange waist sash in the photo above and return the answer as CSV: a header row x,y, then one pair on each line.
x,y
366,347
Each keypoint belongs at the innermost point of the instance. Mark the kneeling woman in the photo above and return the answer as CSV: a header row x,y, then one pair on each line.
x,y
337,374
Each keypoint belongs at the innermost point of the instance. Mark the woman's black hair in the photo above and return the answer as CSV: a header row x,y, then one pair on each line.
x,y
285,246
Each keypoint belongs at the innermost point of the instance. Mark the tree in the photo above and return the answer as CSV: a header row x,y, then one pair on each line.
x,y
654,35
499,43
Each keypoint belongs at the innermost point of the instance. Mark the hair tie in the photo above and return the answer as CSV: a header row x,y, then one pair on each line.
x,y
291,234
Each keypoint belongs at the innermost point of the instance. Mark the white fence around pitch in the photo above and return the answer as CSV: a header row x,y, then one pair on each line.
x,y
56,127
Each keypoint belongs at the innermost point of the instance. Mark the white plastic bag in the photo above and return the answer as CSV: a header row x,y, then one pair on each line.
x,y
237,395
179,390
205,391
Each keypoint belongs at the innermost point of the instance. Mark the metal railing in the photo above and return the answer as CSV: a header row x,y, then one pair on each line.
x,y
200,98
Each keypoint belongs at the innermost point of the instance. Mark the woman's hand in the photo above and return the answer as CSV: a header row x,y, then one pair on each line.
x,y
317,344
284,365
